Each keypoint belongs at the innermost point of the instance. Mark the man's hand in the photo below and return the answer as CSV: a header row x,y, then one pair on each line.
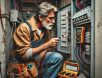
x,y
53,42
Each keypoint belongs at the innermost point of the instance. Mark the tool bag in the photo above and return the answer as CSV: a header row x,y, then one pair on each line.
x,y
22,70
18,69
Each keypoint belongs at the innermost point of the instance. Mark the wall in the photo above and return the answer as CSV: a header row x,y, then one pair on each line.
x,y
5,38
98,38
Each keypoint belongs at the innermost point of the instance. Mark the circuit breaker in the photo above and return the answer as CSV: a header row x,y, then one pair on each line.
x,y
64,29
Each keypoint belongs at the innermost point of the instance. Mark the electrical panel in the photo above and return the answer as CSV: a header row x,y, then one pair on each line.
x,y
64,29
81,25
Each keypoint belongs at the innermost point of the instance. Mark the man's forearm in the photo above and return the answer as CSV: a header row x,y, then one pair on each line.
x,y
43,53
51,43
40,49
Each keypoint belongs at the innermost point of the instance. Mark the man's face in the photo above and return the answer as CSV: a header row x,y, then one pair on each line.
x,y
49,21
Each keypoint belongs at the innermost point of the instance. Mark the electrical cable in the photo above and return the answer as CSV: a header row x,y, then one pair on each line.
x,y
85,59
80,59
85,65
79,5
2,26
35,3
19,5
12,4
7,17
2,22
16,5
82,56
77,56
20,8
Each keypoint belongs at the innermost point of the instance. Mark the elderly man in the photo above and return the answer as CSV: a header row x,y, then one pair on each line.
x,y
31,41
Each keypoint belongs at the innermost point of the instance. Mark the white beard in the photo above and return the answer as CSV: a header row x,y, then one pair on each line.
x,y
47,26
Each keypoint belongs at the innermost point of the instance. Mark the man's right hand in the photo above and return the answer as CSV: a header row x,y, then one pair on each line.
x,y
53,42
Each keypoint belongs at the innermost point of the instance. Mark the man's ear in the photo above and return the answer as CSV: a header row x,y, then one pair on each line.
x,y
40,18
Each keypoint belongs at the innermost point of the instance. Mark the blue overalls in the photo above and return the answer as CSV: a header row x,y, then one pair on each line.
x,y
52,62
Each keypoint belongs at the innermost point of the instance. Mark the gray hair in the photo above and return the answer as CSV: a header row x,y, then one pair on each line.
x,y
46,7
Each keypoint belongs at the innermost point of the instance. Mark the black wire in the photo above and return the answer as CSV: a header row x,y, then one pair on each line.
x,y
80,59
4,16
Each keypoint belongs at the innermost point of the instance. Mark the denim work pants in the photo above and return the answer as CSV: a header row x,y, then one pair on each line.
x,y
51,65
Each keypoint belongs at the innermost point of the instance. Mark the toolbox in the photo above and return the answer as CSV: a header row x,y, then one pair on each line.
x,y
70,70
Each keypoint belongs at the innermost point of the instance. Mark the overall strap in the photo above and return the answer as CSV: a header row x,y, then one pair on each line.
x,y
13,53
31,32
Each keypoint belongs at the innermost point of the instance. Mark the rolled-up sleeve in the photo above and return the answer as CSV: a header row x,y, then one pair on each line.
x,y
21,38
